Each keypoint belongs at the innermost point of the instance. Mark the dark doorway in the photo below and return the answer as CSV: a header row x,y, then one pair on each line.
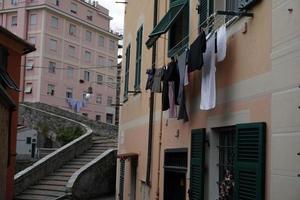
x,y
134,163
175,185
33,148
175,168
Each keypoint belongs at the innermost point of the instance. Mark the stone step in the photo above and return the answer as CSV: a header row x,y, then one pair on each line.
x,y
57,178
44,192
87,157
50,182
82,160
99,148
34,197
95,151
66,170
105,142
67,174
92,154
77,163
49,187
68,166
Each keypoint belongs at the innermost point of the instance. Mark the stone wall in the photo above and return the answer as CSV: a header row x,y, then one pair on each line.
x,y
95,179
29,117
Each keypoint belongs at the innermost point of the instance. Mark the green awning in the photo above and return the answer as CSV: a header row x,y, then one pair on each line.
x,y
165,24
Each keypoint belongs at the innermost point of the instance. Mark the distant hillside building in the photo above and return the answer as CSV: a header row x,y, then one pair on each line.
x,y
74,42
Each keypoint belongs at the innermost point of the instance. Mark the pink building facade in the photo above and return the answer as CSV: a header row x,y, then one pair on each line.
x,y
74,42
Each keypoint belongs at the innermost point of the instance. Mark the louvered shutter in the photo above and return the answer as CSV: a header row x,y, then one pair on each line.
x,y
246,4
139,37
197,165
127,66
203,12
122,177
250,161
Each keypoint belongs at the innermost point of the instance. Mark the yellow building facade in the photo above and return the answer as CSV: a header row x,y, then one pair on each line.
x,y
252,134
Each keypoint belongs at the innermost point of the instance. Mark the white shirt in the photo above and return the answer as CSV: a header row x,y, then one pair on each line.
x,y
208,86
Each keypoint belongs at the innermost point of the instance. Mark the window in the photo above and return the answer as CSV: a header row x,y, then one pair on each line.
x,y
73,8
69,93
72,29
88,36
111,45
101,41
29,64
51,67
14,2
70,72
99,99
89,15
33,19
14,21
86,96
127,65
28,140
109,118
100,60
87,56
32,40
86,76
176,21
179,31
110,81
206,9
56,2
99,79
28,88
109,101
232,5
226,158
51,90
98,117
138,64
71,50
53,45
54,22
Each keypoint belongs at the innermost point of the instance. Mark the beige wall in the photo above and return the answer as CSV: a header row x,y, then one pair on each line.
x,y
285,139
244,93
4,122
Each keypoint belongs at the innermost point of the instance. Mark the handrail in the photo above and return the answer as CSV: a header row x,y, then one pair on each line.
x,y
55,159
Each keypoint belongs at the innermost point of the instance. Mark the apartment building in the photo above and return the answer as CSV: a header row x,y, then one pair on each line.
x,y
246,144
75,50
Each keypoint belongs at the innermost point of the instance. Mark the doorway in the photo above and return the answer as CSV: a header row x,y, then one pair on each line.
x,y
175,168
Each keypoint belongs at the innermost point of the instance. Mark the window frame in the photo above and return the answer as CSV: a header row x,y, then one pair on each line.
x,y
73,8
53,44
54,22
51,90
72,30
70,72
52,67
31,21
87,56
88,36
87,76
127,73
69,91
138,59
14,20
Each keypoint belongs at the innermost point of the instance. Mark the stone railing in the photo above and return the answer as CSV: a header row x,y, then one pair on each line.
x,y
55,160
97,178
99,128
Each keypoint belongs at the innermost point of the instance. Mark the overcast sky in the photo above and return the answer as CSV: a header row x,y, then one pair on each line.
x,y
116,10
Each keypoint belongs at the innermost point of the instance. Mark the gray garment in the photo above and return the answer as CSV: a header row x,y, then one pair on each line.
x,y
181,69
181,94
156,86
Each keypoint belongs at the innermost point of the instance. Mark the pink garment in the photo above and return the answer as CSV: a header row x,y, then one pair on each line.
x,y
173,108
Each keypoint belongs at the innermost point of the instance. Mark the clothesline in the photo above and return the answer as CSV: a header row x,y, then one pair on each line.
x,y
195,31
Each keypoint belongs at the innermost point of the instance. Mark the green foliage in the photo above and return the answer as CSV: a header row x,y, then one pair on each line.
x,y
68,134
42,128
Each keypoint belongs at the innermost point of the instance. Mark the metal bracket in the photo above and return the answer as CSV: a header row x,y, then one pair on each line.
x,y
234,13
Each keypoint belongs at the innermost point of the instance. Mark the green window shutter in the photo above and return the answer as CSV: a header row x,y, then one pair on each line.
x,y
250,161
127,65
165,23
197,165
139,38
205,10
122,179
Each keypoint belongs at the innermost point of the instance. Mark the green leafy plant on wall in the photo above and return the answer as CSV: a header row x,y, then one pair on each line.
x,y
68,134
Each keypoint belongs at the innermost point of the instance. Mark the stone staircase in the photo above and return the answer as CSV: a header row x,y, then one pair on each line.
x,y
53,186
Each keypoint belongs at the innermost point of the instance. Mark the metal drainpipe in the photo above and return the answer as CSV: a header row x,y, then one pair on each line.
x,y
160,128
150,136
